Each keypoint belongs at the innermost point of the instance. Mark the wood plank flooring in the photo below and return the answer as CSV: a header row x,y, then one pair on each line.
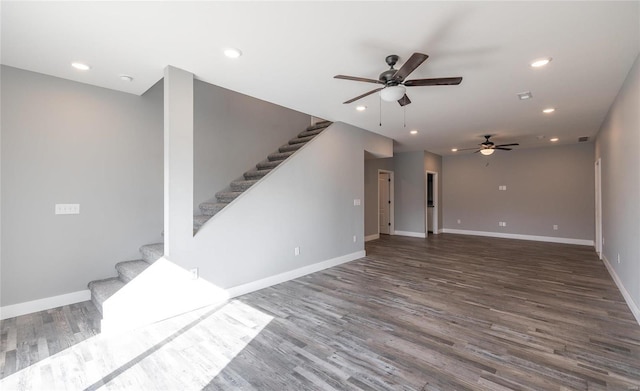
x,y
449,312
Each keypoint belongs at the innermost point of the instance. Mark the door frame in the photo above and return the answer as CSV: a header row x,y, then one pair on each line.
x,y
598,207
435,217
392,207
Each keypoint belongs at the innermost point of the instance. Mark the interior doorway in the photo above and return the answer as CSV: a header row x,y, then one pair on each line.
x,y
598,180
431,218
385,202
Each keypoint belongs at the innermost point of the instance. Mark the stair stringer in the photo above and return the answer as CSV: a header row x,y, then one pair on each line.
x,y
306,202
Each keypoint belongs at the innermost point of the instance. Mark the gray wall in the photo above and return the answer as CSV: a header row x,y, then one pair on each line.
x,y
232,133
66,142
545,186
618,145
371,167
410,191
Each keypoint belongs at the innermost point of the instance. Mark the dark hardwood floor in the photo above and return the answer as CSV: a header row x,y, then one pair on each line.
x,y
449,312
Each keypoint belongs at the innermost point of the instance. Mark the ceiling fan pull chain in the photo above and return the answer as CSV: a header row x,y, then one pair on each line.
x,y
380,105
404,115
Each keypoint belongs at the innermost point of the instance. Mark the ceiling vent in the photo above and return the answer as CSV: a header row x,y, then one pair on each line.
x,y
583,139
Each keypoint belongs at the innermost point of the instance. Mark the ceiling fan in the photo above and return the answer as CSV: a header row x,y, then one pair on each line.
x,y
394,83
488,147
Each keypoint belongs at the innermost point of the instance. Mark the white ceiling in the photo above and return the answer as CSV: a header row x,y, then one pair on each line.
x,y
292,50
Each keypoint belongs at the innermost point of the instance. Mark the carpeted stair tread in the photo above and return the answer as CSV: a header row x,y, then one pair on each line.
x,y
319,125
310,132
290,147
242,185
211,208
314,129
267,165
301,140
199,220
227,196
152,252
129,270
256,174
279,155
101,290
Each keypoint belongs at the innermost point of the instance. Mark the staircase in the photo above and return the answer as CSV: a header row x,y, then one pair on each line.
x,y
101,290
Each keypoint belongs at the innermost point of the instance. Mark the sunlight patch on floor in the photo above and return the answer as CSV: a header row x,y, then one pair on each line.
x,y
185,352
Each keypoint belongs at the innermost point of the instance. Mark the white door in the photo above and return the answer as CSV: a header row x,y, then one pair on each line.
x,y
598,208
384,202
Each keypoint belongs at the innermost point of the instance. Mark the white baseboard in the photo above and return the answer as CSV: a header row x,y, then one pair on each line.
x,y
293,274
371,237
411,234
551,239
635,310
29,307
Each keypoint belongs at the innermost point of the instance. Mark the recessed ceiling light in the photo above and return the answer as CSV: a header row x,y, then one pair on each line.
x,y
549,110
554,139
454,149
80,66
361,108
525,95
414,132
541,62
126,78
232,52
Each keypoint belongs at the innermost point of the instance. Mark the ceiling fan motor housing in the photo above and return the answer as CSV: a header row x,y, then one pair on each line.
x,y
387,76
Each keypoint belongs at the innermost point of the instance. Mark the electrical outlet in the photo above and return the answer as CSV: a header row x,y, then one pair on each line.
x,y
356,202
354,238
459,221
67,209
502,224
502,187
618,258
296,251
555,227
194,273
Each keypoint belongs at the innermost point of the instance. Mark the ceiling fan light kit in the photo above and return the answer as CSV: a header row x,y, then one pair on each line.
x,y
487,151
392,93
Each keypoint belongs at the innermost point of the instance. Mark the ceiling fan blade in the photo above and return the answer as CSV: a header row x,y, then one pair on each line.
x,y
354,78
442,81
507,145
362,96
404,100
412,63
467,149
504,149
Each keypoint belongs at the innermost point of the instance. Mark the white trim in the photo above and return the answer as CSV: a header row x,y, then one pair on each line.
x,y
635,310
582,242
411,234
30,307
371,237
292,274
